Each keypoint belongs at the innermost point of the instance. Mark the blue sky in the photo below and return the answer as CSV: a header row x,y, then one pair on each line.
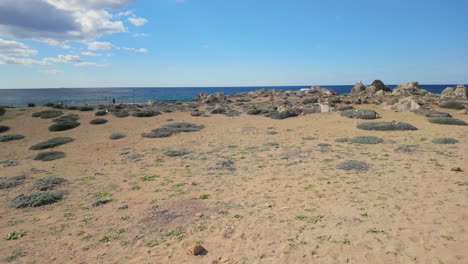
x,y
151,43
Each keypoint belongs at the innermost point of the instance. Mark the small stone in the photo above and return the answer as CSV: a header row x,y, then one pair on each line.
x,y
196,250
198,214
125,206
456,169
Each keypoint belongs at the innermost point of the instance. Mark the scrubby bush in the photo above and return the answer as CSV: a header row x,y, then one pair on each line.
x,y
10,137
444,141
116,136
175,153
406,148
46,114
48,183
285,113
86,108
324,145
98,121
121,114
169,129
353,165
72,107
447,121
452,105
366,114
271,144
349,113
341,140
66,118
254,111
146,113
64,125
431,113
36,199
2,111
365,140
4,129
386,126
52,143
50,155
100,113
345,107
197,113
12,182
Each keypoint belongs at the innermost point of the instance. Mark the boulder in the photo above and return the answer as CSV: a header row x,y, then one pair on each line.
x,y
358,88
317,89
212,98
408,89
456,92
380,86
405,104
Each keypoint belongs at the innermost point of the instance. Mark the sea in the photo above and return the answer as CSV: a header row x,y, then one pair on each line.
x,y
126,95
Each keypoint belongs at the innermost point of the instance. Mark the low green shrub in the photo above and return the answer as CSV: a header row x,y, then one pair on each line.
x,y
444,141
366,114
431,113
50,155
64,125
386,126
67,118
85,108
365,140
146,113
406,148
52,143
452,105
254,111
10,137
345,107
447,121
121,114
47,114
353,165
48,183
12,182
98,121
4,129
175,153
36,199
100,113
116,136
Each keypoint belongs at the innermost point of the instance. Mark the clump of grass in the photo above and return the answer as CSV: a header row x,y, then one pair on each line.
x,y
63,125
48,183
447,121
406,148
271,133
271,144
175,153
169,129
452,105
10,137
36,199
353,165
386,126
341,140
47,114
324,145
204,196
444,141
50,155
309,138
12,182
52,143
18,253
101,202
98,121
14,235
4,129
365,140
116,136
431,113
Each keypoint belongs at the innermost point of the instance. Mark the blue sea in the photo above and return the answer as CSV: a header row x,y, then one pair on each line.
x,y
95,96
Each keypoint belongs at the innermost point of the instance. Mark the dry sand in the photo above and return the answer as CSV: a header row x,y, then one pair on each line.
x,y
274,204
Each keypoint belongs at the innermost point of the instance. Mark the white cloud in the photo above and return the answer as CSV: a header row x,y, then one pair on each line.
x,y
137,35
72,59
137,21
96,45
88,53
13,52
141,50
51,72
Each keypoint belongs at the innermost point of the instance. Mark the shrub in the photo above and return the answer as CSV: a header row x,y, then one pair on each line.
x,y
366,114
48,183
386,126
341,140
365,140
46,114
72,107
70,117
431,113
157,134
309,101
444,141
146,113
36,199
116,136
52,143
345,107
10,137
64,125
254,111
2,111
184,127
4,129
447,121
231,113
197,113
12,182
100,113
175,153
98,121
121,114
348,113
406,148
452,105
50,155
271,144
353,165
323,145
85,108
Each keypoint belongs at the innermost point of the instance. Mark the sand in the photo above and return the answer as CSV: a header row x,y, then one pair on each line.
x,y
274,203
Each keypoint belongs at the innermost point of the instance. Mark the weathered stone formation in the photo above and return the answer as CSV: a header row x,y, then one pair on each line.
x,y
459,92
210,99
405,104
408,89
358,88
318,90
377,86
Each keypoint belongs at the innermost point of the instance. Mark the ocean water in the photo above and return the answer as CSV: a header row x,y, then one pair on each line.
x,y
94,96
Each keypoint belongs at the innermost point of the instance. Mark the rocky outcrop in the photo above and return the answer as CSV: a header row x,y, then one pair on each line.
x,y
210,99
405,104
318,90
358,88
408,89
457,92
375,87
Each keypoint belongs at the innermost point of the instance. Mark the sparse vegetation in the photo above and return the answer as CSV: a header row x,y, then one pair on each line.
x,y
52,143
12,182
447,121
444,141
50,155
175,153
98,121
406,148
63,125
116,136
386,126
47,114
365,140
4,129
48,183
353,165
10,137
452,105
36,199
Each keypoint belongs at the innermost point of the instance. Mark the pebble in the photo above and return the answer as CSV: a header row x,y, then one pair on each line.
x,y
196,250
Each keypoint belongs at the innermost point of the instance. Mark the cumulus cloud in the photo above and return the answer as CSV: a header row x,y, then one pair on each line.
x,y
137,21
69,58
140,50
59,21
96,45
51,72
13,52
89,53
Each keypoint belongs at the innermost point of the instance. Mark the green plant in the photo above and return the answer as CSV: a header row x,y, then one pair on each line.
x,y
52,143
98,121
447,121
36,199
14,235
452,105
10,137
353,165
204,196
444,141
386,126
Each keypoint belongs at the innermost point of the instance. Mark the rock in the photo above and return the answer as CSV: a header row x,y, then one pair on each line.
x,y
366,114
380,86
218,110
408,89
196,250
405,104
457,92
150,103
457,169
212,98
358,88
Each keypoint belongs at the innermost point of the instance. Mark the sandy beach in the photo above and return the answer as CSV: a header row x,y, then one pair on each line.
x,y
248,189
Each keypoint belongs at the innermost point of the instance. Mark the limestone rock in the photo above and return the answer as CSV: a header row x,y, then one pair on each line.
x,y
212,98
457,92
408,89
358,88
405,104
